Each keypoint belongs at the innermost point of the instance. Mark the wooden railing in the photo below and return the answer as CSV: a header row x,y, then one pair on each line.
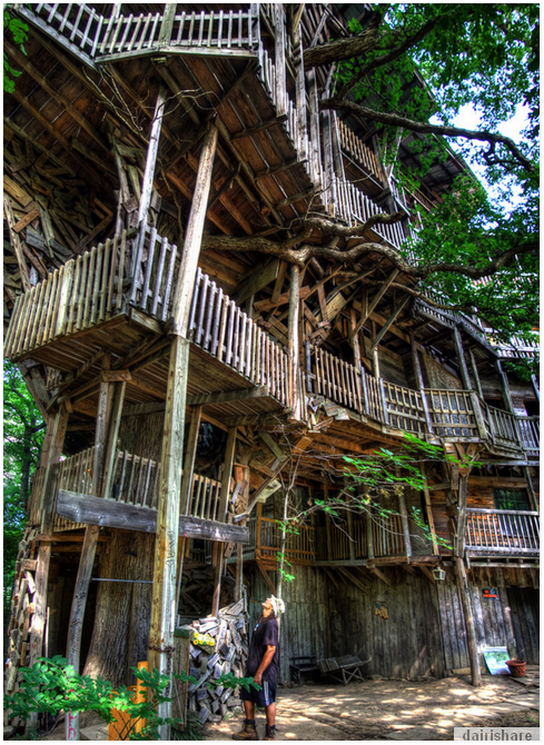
x,y
135,481
93,36
529,431
448,414
300,548
510,532
220,327
452,413
359,151
80,294
334,543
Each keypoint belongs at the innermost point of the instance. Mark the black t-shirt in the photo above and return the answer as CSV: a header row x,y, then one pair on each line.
x,y
264,634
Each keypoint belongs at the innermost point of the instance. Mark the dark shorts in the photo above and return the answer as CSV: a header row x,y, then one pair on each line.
x,y
262,698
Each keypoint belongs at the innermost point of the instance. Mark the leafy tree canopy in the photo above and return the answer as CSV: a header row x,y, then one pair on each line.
x,y
416,67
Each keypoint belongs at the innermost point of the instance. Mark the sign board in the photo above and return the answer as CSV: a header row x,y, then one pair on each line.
x,y
490,592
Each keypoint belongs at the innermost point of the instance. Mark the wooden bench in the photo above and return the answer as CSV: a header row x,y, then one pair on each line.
x,y
344,668
302,665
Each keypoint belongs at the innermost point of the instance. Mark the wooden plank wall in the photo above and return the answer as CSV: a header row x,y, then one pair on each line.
x,y
493,622
406,644
524,608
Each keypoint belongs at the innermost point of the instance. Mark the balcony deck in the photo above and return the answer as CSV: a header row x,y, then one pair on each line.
x,y
490,534
133,498
118,298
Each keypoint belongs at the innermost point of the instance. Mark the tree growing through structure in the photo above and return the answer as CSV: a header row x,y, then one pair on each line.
x,y
404,65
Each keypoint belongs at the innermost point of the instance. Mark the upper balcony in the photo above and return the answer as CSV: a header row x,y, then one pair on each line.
x,y
119,296
374,540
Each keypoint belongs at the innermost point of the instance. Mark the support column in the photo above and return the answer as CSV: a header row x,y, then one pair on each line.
x,y
151,160
463,369
280,51
163,610
405,527
469,621
111,397
293,336
507,397
421,384
222,514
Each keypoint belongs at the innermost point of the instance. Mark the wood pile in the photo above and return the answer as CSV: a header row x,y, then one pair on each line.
x,y
227,653
22,608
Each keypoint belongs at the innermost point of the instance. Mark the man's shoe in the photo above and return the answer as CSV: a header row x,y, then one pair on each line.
x,y
270,733
248,731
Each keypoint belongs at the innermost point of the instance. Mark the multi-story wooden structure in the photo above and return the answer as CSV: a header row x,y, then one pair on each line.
x,y
160,165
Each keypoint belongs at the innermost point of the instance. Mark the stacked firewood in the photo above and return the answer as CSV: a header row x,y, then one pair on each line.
x,y
218,646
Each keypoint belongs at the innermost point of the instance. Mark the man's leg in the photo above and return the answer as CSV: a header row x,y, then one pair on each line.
x,y
249,707
249,730
270,721
270,714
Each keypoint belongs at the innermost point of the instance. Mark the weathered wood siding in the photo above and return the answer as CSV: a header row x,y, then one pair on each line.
x,y
407,644
524,608
497,621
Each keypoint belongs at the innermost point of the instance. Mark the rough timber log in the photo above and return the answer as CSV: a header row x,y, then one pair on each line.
x,y
164,575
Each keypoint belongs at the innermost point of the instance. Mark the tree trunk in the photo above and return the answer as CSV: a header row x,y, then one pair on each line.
x,y
123,609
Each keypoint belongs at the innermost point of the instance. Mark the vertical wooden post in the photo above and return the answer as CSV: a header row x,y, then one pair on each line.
x,y
430,515
163,609
469,621
369,534
405,527
218,574
475,374
227,475
151,160
507,396
280,50
189,464
351,532
463,369
302,120
421,384
53,450
110,404
293,337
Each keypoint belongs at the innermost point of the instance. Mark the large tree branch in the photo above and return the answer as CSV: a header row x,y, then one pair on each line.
x,y
301,253
403,46
396,120
347,47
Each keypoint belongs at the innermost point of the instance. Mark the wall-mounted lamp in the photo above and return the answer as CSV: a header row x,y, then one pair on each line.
x,y
439,573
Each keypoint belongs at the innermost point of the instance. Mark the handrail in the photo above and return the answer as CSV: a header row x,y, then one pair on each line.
x,y
510,532
453,413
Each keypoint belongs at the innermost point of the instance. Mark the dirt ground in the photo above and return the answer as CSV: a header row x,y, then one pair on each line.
x,y
382,710
397,710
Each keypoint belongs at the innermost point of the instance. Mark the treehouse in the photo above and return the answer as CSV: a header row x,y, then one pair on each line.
x,y
187,303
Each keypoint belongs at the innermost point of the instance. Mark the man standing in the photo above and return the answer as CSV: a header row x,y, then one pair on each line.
x,y
262,666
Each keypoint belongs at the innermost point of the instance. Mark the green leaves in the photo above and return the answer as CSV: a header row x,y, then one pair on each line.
x,y
18,31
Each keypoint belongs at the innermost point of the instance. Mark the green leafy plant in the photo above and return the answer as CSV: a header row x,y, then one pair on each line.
x,y
52,686
18,30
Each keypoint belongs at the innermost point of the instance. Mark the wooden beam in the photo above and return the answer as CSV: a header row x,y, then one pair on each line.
x,y
392,318
376,299
236,394
258,127
381,576
469,621
294,398
151,160
267,579
107,513
190,456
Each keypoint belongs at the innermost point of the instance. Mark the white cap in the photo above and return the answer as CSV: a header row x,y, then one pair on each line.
x,y
278,605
